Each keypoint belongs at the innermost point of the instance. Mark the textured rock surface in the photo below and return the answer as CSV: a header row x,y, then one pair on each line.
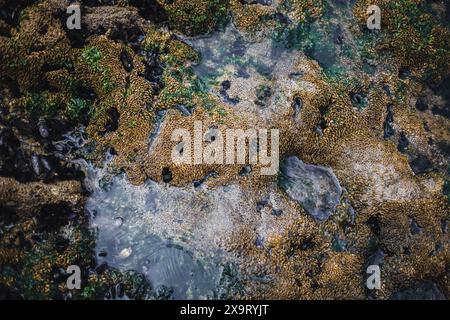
x,y
316,188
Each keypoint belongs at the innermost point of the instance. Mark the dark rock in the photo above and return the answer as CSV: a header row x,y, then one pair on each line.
x,y
377,258
414,227
261,204
296,75
263,93
36,165
444,225
421,164
426,290
102,253
338,244
403,143
242,73
316,188
404,73
421,104
113,120
245,171
43,129
232,101
374,224
126,60
153,70
389,130
226,84
198,183
297,105
445,111
166,175
387,89
183,109
277,212
259,241
359,100
8,215
61,243
306,244
150,10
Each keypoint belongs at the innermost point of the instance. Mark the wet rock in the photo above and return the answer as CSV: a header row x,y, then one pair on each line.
x,y
153,70
150,10
387,90
374,224
166,175
277,212
263,93
183,109
389,130
414,227
43,129
259,241
359,100
377,258
338,244
403,143
426,290
421,164
421,104
296,75
404,73
261,204
126,60
113,121
46,164
316,188
297,105
200,182
226,84
102,253
36,165
8,215
306,244
245,171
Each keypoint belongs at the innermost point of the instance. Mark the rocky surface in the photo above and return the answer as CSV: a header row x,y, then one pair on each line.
x,y
316,188
86,175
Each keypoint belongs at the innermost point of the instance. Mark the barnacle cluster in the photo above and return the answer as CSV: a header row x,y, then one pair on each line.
x,y
370,105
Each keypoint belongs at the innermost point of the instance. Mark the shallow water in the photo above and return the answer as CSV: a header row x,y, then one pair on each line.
x,y
173,236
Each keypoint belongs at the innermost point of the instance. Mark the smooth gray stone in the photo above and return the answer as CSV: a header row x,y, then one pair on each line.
x,y
316,188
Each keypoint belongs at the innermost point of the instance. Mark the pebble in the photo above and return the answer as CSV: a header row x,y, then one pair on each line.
x,y
125,253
